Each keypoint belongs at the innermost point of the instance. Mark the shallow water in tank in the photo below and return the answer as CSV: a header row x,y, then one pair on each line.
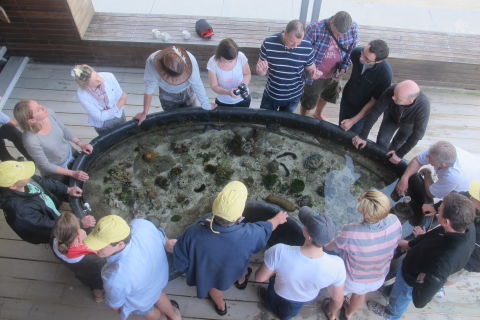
x,y
175,172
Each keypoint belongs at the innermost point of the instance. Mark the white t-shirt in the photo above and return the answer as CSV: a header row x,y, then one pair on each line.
x,y
228,79
457,177
300,278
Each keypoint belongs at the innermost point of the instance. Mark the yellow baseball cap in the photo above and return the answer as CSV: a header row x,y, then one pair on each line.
x,y
230,202
13,171
474,189
108,230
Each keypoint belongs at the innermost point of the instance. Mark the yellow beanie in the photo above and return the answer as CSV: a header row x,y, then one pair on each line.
x,y
474,189
230,202
12,171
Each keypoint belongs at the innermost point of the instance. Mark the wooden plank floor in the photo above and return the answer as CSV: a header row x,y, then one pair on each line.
x,y
33,285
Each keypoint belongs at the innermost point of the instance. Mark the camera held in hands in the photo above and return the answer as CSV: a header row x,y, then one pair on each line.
x,y
242,90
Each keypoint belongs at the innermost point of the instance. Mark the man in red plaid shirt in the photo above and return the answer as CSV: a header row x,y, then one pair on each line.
x,y
333,40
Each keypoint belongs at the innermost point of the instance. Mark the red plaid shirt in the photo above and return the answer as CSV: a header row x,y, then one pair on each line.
x,y
319,36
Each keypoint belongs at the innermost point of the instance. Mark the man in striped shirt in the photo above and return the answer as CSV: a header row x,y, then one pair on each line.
x,y
283,58
367,248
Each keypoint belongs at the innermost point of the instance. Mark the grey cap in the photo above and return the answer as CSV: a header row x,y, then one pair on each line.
x,y
342,21
319,226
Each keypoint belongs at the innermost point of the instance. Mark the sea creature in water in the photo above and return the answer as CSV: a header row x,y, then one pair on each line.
x,y
291,154
210,168
175,171
282,202
287,172
223,173
175,218
297,186
313,161
272,166
269,180
304,200
200,189
321,190
179,148
149,156
236,145
162,182
249,181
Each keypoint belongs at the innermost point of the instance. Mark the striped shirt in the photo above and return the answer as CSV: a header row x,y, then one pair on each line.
x,y
285,67
367,249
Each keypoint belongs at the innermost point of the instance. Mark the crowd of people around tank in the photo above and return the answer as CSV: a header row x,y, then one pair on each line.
x,y
126,265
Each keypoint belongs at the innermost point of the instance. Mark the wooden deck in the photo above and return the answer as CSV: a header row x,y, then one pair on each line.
x,y
33,285
432,58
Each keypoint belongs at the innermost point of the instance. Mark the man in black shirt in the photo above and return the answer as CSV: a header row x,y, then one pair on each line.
x,y
406,111
432,257
371,76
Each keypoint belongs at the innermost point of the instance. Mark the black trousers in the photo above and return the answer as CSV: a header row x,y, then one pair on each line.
x,y
388,129
9,132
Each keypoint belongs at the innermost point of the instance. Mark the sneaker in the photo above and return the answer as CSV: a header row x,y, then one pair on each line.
x,y
440,295
377,308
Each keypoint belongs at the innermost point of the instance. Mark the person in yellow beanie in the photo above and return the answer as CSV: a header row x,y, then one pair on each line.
x,y
215,252
136,271
30,203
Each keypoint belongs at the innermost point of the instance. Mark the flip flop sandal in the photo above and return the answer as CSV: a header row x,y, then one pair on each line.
x,y
343,315
221,312
243,285
98,297
175,304
325,304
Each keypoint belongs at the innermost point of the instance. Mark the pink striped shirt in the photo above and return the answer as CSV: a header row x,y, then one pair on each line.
x,y
367,249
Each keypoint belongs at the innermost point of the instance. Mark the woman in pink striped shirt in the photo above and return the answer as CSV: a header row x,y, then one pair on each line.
x,y
367,248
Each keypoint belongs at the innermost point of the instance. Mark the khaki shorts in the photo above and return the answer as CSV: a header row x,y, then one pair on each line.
x,y
327,89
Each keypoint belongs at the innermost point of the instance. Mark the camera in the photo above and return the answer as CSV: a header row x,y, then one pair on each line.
x,y
338,69
242,90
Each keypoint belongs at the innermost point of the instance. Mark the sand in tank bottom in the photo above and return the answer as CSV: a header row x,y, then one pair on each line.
x,y
175,173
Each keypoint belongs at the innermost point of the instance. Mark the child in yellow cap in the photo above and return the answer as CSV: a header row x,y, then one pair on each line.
x,y
215,253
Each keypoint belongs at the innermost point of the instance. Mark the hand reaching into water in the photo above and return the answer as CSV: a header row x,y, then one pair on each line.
x,y
88,221
280,218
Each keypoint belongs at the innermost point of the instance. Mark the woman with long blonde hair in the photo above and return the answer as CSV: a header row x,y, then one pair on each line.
x,y
48,141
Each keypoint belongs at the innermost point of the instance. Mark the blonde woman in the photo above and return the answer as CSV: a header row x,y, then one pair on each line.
x,y
47,141
367,248
101,96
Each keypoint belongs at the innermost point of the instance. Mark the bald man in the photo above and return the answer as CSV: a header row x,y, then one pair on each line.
x,y
406,111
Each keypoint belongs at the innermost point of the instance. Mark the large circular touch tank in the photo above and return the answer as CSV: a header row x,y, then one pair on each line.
x,y
171,167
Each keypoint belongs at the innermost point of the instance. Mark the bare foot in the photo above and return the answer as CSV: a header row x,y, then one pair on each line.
x,y
320,117
98,295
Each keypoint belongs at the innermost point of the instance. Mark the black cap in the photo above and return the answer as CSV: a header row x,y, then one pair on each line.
x,y
319,226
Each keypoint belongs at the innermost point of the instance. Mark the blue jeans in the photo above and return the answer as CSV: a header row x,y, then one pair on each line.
x,y
283,308
400,297
271,104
